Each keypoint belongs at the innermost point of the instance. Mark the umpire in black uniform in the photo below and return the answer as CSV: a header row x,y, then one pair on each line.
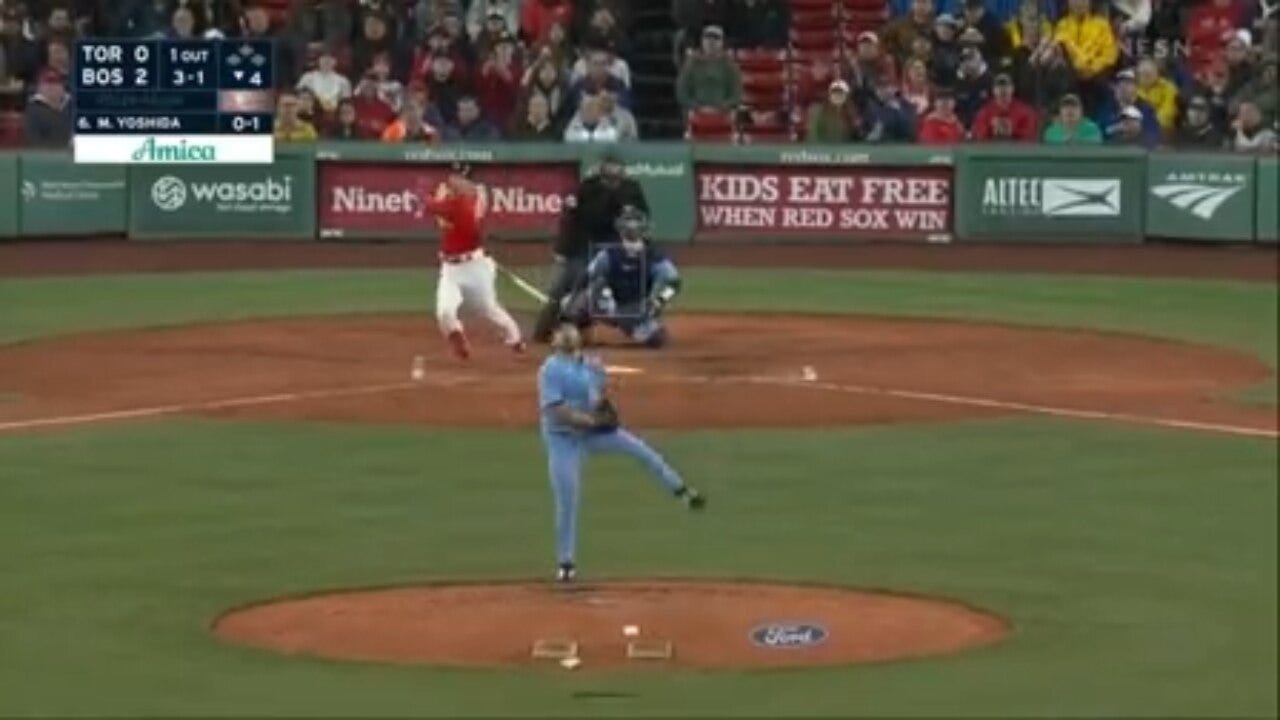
x,y
588,220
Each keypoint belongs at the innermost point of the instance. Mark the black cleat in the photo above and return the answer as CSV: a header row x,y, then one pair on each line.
x,y
566,573
693,499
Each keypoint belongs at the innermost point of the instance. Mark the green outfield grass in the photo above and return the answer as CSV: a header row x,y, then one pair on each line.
x,y
1138,566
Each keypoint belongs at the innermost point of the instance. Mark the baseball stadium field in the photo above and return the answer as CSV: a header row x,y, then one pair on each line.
x,y
248,479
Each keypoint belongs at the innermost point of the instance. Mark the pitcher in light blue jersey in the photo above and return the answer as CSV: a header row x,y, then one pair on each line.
x,y
571,389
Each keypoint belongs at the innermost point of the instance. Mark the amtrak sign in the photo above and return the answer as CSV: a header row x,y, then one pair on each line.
x,y
1200,194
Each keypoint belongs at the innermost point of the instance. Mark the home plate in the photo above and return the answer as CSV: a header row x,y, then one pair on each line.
x,y
623,370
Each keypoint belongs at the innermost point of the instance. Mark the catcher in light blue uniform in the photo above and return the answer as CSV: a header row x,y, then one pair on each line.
x,y
629,284
578,419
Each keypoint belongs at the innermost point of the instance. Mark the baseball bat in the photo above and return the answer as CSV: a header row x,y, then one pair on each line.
x,y
527,287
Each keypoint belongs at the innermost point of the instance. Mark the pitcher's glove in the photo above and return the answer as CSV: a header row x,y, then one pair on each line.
x,y
606,415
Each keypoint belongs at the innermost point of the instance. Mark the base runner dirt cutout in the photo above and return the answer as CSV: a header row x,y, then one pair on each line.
x,y
705,379
701,624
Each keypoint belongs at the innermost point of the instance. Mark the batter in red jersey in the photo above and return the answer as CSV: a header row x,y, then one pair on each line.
x,y
467,274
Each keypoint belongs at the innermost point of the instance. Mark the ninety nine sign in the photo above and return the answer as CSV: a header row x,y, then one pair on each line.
x,y
375,200
844,202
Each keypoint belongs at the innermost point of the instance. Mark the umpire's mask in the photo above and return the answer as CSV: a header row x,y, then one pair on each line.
x,y
612,169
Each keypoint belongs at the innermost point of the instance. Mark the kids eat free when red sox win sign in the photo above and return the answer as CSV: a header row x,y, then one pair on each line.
x,y
728,201
836,202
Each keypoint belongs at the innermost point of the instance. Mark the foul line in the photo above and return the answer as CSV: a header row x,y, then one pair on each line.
x,y
176,409
989,403
780,380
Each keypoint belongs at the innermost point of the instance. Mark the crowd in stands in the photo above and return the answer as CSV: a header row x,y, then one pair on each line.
x,y
1196,73
422,70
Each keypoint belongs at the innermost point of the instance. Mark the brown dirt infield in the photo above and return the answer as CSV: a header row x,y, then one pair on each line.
x,y
722,371
710,624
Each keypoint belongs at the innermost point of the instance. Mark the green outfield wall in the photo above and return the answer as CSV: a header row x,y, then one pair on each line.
x,y
1267,226
699,193
10,210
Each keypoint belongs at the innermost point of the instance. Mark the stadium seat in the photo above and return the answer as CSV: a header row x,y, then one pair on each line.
x,y
710,125
800,6
818,39
875,18
864,5
813,20
765,102
761,60
10,129
809,81
771,84
810,56
765,121
766,135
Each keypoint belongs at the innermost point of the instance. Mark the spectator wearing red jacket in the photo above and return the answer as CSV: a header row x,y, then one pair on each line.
x,y
498,86
373,114
1005,118
1208,29
537,17
438,43
942,126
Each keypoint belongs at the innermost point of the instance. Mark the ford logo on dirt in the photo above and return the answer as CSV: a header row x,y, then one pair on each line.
x,y
788,635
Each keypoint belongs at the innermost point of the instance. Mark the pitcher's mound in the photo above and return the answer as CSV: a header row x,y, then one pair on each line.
x,y
708,624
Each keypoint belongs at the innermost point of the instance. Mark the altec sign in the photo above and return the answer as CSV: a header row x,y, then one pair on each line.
x,y
839,202
1051,197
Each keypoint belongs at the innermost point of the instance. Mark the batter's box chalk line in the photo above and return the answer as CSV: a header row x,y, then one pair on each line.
x,y
650,649
554,649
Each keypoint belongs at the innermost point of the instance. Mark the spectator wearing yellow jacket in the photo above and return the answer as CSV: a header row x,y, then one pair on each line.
x,y
1160,94
1088,39
1029,16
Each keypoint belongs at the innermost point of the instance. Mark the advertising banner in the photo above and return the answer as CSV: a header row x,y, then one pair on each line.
x,y
62,198
9,194
1268,214
1200,197
365,200
209,201
819,202
1081,196
665,173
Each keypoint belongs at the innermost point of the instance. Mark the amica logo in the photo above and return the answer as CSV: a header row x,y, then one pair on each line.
x,y
153,151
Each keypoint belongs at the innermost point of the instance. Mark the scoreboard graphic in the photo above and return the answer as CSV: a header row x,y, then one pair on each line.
x,y
162,101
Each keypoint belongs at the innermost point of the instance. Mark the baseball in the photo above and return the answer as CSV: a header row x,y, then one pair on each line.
x,y
570,663
631,630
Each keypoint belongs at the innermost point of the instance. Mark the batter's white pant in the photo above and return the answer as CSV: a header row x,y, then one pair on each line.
x,y
472,283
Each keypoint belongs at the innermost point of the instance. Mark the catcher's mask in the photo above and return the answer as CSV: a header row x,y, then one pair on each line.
x,y
632,226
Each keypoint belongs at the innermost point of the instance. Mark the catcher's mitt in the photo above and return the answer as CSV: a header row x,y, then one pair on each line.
x,y
606,415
